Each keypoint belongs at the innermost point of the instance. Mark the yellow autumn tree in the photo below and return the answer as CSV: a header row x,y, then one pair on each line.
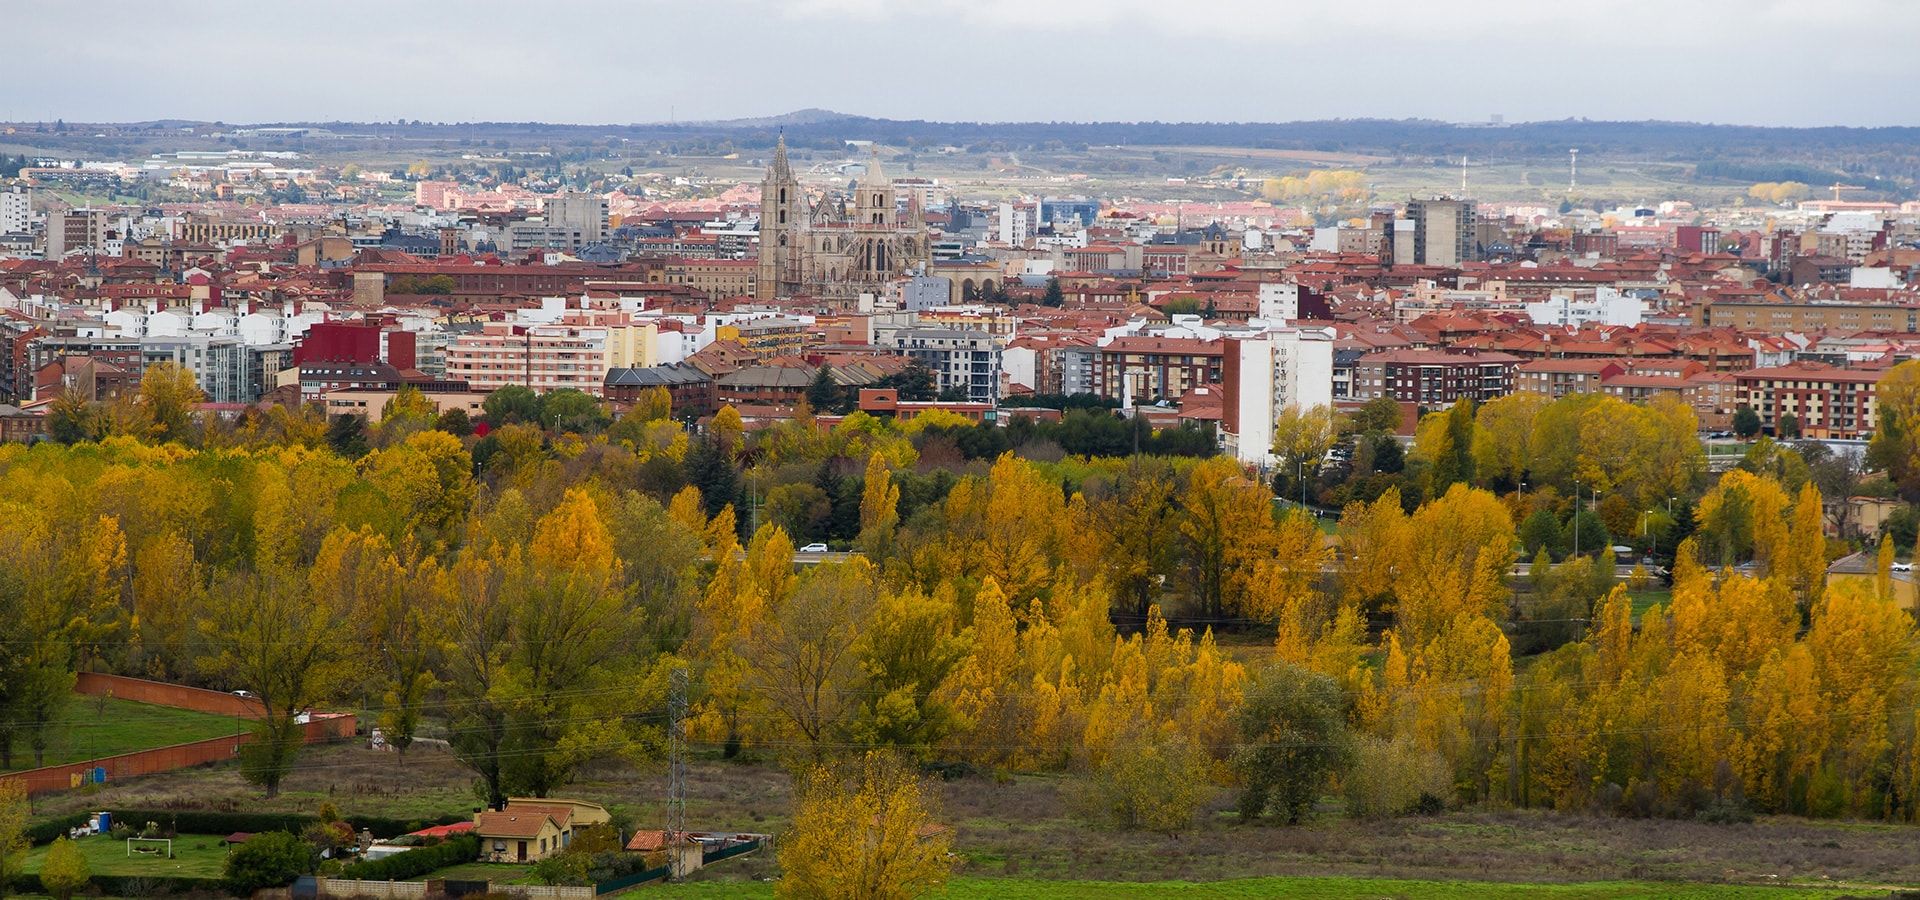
x,y
879,509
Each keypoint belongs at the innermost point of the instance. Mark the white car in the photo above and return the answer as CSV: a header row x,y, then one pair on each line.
x,y
1902,567
814,548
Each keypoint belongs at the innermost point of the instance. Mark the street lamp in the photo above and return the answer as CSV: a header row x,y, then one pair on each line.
x,y
1576,517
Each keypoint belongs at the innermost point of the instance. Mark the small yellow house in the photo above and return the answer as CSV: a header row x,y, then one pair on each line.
x,y
532,829
1864,567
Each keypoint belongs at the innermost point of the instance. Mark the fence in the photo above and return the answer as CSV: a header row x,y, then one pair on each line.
x,y
728,852
621,884
354,887
550,891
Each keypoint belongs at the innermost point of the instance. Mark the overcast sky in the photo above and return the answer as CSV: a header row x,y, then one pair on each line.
x,y
1762,62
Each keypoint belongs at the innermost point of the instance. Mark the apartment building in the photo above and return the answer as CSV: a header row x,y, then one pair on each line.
x,y
1558,378
541,357
1145,369
1432,379
965,359
1830,403
1262,376
1778,315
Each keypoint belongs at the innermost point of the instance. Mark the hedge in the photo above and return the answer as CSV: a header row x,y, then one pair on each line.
x,y
419,861
118,885
45,832
186,821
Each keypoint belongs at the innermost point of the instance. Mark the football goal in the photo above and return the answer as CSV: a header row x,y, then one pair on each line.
x,y
150,841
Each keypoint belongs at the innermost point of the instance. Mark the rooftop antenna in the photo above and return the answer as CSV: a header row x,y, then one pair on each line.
x,y
1573,169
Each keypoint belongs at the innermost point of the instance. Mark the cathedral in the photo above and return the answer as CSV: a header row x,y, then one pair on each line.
x,y
837,250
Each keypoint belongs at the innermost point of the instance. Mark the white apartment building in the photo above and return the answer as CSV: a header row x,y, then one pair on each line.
x,y
1606,307
1265,374
16,210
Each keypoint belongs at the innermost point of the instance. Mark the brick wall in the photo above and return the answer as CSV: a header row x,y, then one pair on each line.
x,y
159,693
321,728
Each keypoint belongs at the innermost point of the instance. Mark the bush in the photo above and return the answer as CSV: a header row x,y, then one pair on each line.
x,y
1294,735
416,862
1393,778
272,859
64,871
1149,781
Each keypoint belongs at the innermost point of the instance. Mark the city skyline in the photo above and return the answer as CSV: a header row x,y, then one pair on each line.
x,y
991,61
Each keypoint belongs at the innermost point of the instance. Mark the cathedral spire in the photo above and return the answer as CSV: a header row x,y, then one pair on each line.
x,y
780,167
875,177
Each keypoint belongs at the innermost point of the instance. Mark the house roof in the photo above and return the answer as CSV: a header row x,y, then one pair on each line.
x,y
513,823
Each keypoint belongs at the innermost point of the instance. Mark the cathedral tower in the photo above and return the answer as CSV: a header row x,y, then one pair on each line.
x,y
783,222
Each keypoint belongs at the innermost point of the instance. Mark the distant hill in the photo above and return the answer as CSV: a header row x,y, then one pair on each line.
x,y
1884,160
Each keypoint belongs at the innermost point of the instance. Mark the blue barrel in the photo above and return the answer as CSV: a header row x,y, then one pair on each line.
x,y
103,822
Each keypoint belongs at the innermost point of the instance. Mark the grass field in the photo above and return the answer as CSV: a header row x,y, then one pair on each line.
x,y
96,727
1297,888
1018,833
194,856
1644,600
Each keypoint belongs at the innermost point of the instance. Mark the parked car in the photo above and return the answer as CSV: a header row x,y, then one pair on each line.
x,y
815,547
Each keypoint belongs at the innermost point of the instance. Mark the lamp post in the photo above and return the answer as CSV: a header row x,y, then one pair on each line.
x,y
1576,517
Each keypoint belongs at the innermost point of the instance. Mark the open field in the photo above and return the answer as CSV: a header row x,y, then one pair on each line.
x,y
194,856
1019,827
1296,888
95,727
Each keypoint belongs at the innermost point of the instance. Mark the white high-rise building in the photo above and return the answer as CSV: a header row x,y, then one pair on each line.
x,y
16,210
1265,374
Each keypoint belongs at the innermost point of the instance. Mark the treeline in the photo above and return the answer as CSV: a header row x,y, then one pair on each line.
x,y
533,603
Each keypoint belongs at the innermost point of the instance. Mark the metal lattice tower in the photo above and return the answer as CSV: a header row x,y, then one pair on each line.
x,y
677,753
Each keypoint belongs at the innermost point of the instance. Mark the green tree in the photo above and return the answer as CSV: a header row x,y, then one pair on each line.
x,y
1788,428
710,468
272,859
1542,531
1454,463
1054,296
571,409
1293,732
64,871
915,382
270,635
1746,422
1589,533
14,814
512,403
347,435
823,392
454,421
1380,415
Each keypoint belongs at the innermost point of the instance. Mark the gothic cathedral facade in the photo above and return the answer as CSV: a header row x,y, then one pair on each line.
x,y
836,250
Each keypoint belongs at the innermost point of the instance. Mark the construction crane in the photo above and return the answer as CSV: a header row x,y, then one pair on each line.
x,y
1838,187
